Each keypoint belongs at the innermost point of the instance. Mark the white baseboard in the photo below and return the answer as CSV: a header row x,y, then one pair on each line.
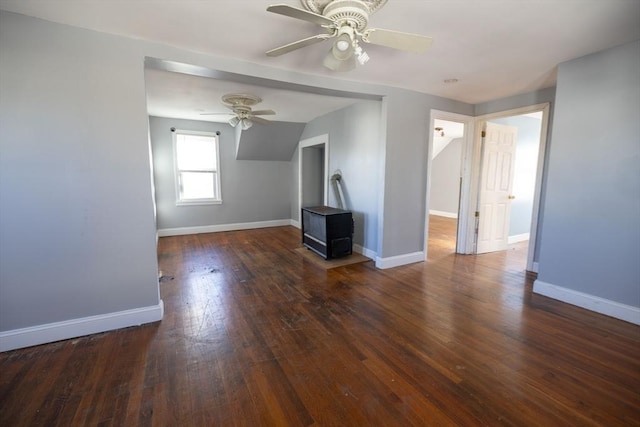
x,y
443,213
518,238
398,260
620,311
364,251
165,232
295,223
51,332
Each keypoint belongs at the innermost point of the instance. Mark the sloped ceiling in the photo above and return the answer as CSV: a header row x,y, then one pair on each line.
x,y
276,141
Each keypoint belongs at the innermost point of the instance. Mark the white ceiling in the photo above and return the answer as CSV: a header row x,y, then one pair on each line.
x,y
495,48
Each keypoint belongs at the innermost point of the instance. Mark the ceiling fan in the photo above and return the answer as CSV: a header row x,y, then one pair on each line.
x,y
240,104
346,21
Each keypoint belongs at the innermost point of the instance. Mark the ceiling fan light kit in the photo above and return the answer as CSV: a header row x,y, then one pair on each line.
x,y
246,124
233,121
346,21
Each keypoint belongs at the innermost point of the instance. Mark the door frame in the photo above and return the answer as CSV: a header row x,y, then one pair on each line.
x,y
493,245
464,197
475,166
316,141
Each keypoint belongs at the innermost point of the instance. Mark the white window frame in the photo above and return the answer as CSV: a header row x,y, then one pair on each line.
x,y
216,172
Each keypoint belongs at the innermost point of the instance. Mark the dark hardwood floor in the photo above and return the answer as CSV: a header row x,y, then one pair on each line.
x,y
255,335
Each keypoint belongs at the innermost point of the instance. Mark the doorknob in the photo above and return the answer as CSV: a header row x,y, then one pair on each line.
x,y
511,197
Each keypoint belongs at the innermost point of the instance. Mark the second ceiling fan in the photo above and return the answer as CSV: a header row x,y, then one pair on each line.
x,y
241,106
346,21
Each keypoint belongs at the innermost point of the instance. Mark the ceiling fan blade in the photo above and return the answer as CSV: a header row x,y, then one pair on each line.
x,y
398,40
263,113
294,12
297,45
260,120
217,114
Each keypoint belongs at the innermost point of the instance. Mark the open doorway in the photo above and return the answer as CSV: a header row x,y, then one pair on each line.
x,y
448,232
313,171
446,167
509,152
450,143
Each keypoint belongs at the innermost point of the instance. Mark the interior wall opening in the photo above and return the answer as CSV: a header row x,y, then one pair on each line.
x,y
455,222
450,143
446,179
508,163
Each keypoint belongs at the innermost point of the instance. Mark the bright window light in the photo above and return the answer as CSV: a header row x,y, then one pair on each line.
x,y
196,168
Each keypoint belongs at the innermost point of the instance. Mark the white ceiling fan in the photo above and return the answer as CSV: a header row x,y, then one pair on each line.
x,y
240,104
346,21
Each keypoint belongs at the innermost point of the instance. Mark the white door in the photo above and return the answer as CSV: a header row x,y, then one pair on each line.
x,y
496,179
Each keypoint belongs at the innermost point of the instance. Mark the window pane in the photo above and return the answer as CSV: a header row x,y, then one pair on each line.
x,y
196,152
197,185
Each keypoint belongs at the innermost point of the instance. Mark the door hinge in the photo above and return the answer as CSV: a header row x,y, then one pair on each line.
x,y
477,214
484,133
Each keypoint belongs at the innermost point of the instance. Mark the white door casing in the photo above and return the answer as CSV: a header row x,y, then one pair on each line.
x,y
496,180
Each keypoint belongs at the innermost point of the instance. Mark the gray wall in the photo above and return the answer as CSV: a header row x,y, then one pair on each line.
x,y
354,148
515,101
251,190
75,134
524,175
591,235
445,178
405,168
77,231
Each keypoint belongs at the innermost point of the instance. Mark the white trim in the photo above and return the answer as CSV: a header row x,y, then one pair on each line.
x,y
607,307
51,332
542,150
295,223
398,260
180,231
382,168
198,202
517,238
534,267
364,251
443,213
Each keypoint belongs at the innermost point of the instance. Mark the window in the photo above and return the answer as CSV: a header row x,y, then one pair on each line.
x,y
197,168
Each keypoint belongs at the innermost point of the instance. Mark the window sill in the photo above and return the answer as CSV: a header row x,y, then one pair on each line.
x,y
198,202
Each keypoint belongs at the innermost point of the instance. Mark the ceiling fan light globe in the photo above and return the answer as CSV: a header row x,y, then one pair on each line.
x,y
342,45
246,124
337,64
331,62
234,121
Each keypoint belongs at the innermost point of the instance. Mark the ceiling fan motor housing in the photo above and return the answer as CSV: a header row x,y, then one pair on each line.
x,y
321,6
241,103
352,12
240,99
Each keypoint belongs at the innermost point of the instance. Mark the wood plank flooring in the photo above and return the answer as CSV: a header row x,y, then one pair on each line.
x,y
254,335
